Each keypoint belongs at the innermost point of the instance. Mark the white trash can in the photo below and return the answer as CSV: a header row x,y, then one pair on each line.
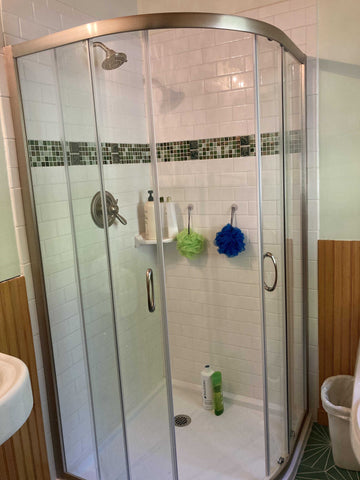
x,y
336,397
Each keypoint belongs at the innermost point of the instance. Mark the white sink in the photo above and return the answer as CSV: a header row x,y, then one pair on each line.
x,y
16,400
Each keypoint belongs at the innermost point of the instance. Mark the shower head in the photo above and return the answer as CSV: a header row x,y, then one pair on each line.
x,y
113,59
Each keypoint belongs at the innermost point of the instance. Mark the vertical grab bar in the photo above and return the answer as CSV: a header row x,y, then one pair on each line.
x,y
150,290
272,288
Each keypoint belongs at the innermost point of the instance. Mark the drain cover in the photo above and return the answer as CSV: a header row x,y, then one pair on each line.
x,y
182,420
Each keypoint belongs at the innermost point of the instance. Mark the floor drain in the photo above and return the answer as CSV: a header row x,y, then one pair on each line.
x,y
182,420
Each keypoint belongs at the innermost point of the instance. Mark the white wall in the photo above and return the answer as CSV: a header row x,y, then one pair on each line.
x,y
28,19
339,120
230,6
9,259
213,71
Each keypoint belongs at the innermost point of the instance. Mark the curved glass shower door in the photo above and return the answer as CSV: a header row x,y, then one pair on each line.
x,y
281,170
212,119
108,346
271,187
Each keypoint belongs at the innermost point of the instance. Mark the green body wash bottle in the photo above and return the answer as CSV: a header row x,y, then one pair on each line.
x,y
218,396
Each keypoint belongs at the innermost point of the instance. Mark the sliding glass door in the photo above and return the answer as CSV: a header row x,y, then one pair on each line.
x,y
90,178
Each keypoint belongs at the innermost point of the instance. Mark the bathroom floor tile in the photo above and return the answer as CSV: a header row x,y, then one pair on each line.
x,y
318,462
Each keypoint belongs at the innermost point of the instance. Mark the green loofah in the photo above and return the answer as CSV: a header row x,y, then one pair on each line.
x,y
190,244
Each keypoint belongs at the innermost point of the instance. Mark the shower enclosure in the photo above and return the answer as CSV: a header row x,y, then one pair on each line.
x,y
209,110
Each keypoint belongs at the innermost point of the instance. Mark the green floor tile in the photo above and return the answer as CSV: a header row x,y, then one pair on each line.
x,y
318,462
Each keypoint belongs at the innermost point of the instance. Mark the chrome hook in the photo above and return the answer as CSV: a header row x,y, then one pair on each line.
x,y
190,207
234,207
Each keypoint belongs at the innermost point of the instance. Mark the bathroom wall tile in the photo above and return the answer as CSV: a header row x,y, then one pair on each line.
x,y
242,123
217,84
16,7
5,117
30,29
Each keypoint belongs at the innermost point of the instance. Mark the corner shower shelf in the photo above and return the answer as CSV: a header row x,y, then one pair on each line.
x,y
140,241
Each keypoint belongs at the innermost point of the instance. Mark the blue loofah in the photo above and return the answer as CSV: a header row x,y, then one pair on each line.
x,y
230,241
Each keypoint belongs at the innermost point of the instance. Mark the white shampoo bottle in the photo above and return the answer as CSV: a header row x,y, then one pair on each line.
x,y
207,388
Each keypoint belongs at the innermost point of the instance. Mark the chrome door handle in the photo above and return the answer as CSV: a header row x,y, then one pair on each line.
x,y
150,290
272,288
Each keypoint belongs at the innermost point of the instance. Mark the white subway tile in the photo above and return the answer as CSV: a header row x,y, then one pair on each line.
x,y
47,16
234,128
6,118
207,70
242,112
217,84
21,241
232,98
4,91
242,80
10,153
16,203
215,115
30,30
215,53
205,101
231,65
18,6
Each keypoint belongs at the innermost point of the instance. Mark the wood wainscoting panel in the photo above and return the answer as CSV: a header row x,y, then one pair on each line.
x,y
339,309
24,455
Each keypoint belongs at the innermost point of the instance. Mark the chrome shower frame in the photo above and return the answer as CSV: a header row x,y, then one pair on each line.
x,y
92,31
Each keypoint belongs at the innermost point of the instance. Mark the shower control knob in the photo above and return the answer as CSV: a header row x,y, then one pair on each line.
x,y
112,210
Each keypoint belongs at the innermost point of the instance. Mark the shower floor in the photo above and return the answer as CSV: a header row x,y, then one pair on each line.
x,y
228,447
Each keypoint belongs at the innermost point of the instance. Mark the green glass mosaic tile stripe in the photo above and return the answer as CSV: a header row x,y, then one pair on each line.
x,y
113,153
46,153
317,462
81,153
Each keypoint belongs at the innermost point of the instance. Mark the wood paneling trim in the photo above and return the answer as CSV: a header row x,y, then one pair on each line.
x,y
339,309
23,456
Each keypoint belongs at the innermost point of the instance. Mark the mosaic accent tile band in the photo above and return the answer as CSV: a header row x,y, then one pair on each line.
x,y
48,153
